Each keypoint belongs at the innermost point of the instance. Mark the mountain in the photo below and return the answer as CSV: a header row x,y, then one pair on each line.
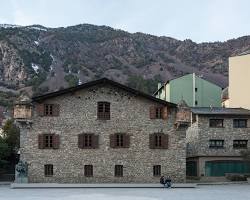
x,y
47,59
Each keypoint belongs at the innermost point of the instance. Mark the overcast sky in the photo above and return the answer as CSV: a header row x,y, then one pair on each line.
x,y
199,20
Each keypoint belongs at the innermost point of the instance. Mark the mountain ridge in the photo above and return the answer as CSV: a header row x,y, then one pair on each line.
x,y
48,59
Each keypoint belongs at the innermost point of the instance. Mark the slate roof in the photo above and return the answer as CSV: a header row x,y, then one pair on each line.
x,y
102,81
219,111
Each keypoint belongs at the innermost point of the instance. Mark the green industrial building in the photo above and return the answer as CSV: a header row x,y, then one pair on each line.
x,y
196,91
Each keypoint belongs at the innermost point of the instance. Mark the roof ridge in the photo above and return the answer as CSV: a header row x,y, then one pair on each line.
x,y
99,81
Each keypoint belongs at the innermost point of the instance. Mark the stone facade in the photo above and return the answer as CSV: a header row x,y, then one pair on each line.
x,y
199,134
78,114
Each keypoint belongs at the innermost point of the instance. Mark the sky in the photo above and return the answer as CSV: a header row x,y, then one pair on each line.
x,y
198,20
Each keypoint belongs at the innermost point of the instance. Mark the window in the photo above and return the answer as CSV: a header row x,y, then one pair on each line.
x,y
196,89
216,143
48,141
48,170
241,144
196,102
216,123
103,110
48,109
119,140
157,170
158,141
88,141
240,123
118,170
88,170
158,113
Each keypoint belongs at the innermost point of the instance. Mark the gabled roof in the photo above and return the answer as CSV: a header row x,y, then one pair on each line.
x,y
102,82
219,111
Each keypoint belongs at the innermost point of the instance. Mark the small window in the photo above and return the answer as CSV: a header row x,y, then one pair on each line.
x,y
196,89
158,140
240,123
196,102
48,109
216,143
119,140
88,140
118,170
158,113
216,123
240,144
88,170
48,170
48,141
103,110
157,170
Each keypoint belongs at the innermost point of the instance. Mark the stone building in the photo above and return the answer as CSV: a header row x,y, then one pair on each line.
x,y
101,132
214,142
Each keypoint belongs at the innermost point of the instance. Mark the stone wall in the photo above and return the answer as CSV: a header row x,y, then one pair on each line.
x,y
199,134
78,114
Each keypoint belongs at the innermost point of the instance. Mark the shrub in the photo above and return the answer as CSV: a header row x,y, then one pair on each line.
x,y
236,177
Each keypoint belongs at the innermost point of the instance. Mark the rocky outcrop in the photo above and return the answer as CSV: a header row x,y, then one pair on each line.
x,y
42,57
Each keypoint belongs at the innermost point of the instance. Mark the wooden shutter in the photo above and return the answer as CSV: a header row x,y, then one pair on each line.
x,y
152,112
55,141
164,138
95,143
126,140
41,143
56,109
151,141
112,140
80,141
40,109
164,112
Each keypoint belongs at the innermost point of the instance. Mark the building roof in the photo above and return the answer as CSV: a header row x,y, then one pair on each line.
x,y
102,82
219,111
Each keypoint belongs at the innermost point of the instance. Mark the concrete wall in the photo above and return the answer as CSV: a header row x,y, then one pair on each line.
x,y
239,81
78,114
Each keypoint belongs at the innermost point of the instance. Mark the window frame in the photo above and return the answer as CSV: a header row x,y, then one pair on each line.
x,y
48,109
48,170
236,123
158,112
158,140
103,110
240,146
157,170
214,119
88,171
118,170
88,140
216,146
119,140
48,139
